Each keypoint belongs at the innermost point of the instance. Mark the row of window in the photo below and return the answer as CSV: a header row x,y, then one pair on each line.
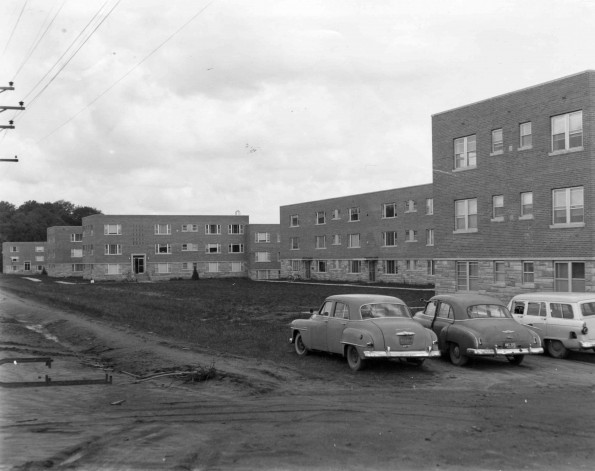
x,y
390,267
166,229
26,267
388,211
38,258
568,276
116,249
568,208
566,135
166,267
15,248
389,239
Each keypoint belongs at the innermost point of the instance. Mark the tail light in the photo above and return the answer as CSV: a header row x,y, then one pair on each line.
x,y
585,328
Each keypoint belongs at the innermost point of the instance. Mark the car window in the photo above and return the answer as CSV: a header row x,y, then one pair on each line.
x,y
561,311
480,311
326,308
341,311
536,309
376,310
588,309
518,307
431,308
445,311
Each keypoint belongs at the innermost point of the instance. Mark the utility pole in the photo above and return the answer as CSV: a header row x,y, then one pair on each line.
x,y
10,124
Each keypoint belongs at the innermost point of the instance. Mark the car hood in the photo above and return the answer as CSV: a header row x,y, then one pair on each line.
x,y
500,330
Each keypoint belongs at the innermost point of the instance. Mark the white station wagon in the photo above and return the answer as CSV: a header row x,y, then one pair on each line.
x,y
564,321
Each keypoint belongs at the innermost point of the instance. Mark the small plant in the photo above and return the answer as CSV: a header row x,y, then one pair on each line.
x,y
43,272
195,274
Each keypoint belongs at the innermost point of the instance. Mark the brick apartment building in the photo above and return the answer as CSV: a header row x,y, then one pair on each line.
x,y
514,177
263,242
385,236
24,258
64,251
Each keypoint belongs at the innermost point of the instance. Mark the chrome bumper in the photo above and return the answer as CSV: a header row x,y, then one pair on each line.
x,y
590,344
504,351
401,354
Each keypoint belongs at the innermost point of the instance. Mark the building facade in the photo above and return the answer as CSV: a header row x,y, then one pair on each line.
x,y
263,243
65,251
515,175
24,258
384,236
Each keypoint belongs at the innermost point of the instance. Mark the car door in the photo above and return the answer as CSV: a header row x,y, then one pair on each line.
x,y
426,317
444,317
319,326
335,327
535,317
560,323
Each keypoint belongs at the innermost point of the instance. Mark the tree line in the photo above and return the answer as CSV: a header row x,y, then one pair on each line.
x,y
29,221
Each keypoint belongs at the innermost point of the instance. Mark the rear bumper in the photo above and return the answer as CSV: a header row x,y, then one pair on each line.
x,y
588,344
503,351
401,354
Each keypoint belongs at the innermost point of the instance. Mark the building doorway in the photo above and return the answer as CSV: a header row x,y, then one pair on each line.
x,y
372,270
138,264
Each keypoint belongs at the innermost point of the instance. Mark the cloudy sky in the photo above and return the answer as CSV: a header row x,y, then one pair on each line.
x,y
218,106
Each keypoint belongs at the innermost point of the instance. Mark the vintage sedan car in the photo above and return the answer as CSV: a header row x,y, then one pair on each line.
x,y
362,327
472,325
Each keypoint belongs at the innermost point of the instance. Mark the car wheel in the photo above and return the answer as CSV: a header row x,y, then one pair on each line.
x,y
515,359
556,349
457,357
298,343
353,359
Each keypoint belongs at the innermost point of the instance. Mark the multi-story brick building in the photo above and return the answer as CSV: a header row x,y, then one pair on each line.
x,y
24,258
515,177
65,251
385,236
263,243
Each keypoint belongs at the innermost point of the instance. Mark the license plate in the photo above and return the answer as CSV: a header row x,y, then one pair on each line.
x,y
510,345
406,339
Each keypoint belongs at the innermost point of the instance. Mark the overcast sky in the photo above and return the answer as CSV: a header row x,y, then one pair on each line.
x,y
213,107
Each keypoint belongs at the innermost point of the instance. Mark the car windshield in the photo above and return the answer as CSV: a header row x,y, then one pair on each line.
x,y
482,311
588,309
376,310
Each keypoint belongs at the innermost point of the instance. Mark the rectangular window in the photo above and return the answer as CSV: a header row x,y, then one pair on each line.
x,y
336,214
262,237
411,235
429,237
389,210
431,267
408,265
162,229
296,265
236,267
465,155
112,229
213,248
320,217
567,131
569,277
527,204
353,241
189,247
78,267
467,276
236,248
410,206
320,242
14,259
189,227
294,243
113,269
212,229
497,141
14,248
498,207
389,239
162,248
39,258
336,239
528,272
187,266
568,205
429,206
466,215
499,272
262,256
213,267
76,253
235,228
322,266
113,249
526,135
391,267
294,220
27,266
163,268
39,248
76,237
355,266
353,214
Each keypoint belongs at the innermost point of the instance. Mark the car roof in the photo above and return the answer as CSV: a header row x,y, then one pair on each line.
x,y
555,296
462,300
365,298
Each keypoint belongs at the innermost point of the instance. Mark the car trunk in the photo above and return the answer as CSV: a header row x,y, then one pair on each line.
x,y
502,333
402,334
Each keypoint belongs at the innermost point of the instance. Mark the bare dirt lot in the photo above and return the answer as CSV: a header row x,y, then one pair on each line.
x,y
312,413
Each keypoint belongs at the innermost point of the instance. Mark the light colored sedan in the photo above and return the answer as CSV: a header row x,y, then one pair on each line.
x,y
362,327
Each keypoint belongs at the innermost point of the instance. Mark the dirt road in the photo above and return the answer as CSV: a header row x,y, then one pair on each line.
x,y
264,415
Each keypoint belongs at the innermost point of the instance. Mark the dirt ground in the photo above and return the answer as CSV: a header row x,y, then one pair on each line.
x,y
270,416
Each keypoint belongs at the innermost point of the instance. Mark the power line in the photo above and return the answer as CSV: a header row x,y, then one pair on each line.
x,y
129,72
15,27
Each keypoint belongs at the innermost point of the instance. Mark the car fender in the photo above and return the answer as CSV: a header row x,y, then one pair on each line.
x,y
362,339
461,335
303,329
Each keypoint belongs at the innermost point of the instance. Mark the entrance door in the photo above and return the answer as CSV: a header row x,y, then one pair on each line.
x,y
138,264
372,270
308,267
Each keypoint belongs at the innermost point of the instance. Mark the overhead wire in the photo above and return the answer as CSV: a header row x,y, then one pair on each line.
x,y
138,64
14,27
